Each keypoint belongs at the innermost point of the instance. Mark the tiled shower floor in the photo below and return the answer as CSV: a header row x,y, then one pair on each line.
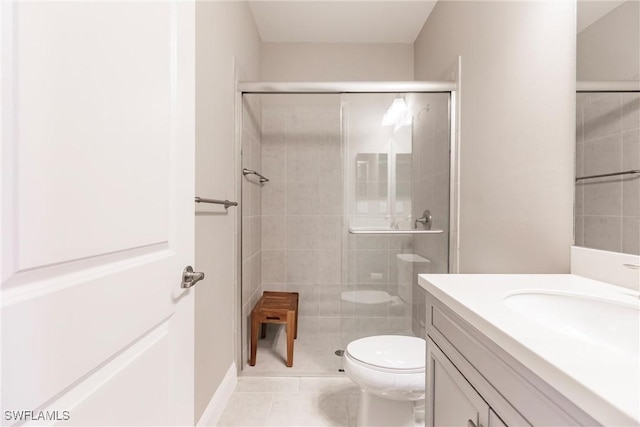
x,y
313,355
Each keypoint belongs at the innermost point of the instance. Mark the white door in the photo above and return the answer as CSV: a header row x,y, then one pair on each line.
x,y
97,212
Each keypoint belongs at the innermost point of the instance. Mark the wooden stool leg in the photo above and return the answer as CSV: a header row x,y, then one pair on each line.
x,y
296,327
255,324
290,334
263,332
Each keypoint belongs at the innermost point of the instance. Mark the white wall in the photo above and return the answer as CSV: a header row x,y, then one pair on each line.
x,y
517,129
336,62
609,49
224,30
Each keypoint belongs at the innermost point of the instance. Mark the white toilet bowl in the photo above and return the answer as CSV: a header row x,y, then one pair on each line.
x,y
390,370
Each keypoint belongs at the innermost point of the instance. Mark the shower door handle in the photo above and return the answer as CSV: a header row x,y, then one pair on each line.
x,y
190,277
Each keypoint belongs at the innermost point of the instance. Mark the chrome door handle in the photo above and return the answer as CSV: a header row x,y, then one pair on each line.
x,y
190,277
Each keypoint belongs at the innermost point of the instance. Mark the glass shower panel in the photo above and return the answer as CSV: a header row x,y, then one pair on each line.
x,y
295,232
397,163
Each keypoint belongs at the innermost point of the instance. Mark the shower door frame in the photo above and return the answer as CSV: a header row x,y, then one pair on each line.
x,y
338,88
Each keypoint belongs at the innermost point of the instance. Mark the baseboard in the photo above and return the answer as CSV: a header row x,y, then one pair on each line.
x,y
212,414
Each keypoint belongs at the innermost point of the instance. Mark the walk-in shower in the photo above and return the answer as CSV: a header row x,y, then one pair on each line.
x,y
345,200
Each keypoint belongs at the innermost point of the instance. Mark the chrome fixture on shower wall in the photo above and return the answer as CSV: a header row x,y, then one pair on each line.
x,y
425,220
226,203
263,178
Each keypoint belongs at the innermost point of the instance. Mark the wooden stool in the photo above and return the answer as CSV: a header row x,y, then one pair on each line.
x,y
275,307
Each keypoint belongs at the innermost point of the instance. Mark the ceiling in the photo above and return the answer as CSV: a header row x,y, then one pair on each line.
x,y
332,21
366,21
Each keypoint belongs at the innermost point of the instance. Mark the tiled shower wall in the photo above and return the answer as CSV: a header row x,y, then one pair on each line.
x,y
306,246
607,210
302,206
373,265
251,214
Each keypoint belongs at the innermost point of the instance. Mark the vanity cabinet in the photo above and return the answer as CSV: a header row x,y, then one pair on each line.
x,y
473,382
453,402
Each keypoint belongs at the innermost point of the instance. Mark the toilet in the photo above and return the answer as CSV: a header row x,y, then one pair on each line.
x,y
390,371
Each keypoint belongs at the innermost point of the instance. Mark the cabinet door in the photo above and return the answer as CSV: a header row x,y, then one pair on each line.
x,y
452,401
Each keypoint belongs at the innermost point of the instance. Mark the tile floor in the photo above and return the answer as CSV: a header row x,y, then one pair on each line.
x,y
292,401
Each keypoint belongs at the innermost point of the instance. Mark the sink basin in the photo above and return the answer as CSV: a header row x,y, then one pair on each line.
x,y
611,324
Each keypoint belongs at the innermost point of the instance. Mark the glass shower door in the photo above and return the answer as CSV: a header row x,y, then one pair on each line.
x,y
396,200
349,175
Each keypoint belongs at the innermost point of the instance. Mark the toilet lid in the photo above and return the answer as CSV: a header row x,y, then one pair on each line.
x,y
390,351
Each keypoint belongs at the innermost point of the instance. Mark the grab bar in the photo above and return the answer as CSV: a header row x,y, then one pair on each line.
x,y
629,172
263,178
226,203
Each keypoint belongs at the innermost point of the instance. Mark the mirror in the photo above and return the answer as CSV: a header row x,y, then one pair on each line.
x,y
371,176
403,176
607,209
379,178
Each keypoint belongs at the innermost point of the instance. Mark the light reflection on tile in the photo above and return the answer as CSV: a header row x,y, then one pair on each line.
x,y
247,409
292,401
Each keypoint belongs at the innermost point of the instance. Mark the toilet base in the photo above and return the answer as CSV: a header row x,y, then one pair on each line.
x,y
376,411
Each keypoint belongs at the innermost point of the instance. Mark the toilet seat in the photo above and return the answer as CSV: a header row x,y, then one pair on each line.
x,y
388,366
396,354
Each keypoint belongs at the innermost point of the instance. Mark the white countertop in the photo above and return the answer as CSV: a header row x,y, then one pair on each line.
x,y
603,383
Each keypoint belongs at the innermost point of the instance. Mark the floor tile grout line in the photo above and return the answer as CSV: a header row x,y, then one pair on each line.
x,y
269,411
